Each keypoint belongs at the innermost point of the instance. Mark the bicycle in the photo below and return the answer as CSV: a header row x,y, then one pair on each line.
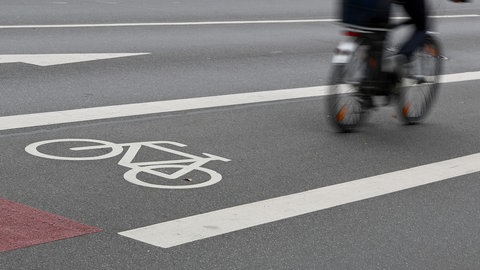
x,y
104,149
358,82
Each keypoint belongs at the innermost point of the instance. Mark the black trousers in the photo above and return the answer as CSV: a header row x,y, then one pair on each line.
x,y
417,11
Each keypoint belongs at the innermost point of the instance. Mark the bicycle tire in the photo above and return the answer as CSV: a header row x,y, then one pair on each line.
x,y
345,111
132,177
116,149
415,101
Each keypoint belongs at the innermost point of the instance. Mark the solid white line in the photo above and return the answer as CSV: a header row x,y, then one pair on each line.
x,y
460,77
454,16
199,23
109,112
177,232
163,24
59,117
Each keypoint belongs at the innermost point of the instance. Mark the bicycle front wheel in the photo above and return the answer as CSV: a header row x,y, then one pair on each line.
x,y
202,177
420,83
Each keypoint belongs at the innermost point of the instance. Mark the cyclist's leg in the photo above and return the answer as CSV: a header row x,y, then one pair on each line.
x,y
416,9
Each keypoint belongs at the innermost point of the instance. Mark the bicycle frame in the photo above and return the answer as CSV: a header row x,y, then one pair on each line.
x,y
195,161
375,80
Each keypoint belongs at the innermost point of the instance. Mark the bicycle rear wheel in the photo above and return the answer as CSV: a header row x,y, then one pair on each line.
x,y
345,108
421,83
74,149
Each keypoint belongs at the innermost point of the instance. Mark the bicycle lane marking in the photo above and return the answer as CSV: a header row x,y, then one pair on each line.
x,y
186,164
177,105
189,229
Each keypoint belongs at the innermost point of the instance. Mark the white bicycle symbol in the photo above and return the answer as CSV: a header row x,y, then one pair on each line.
x,y
181,166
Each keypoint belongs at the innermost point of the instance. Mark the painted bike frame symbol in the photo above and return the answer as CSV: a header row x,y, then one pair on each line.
x,y
182,166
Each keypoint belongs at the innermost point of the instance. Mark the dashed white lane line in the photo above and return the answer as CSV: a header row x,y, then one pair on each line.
x,y
203,23
189,229
136,109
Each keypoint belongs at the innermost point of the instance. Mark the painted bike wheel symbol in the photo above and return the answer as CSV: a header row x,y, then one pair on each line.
x,y
150,172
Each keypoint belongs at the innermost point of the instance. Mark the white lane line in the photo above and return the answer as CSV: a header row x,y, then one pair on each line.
x,y
97,113
454,16
201,23
189,229
162,24
109,112
460,77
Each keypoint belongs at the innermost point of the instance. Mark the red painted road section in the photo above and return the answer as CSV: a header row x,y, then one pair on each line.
x,y
23,226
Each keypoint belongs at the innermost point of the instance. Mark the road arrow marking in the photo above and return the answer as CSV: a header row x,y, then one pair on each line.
x,y
58,59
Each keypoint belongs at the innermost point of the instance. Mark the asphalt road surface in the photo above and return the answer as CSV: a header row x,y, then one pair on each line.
x,y
192,135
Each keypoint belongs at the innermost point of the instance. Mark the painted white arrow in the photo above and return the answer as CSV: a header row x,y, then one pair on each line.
x,y
58,59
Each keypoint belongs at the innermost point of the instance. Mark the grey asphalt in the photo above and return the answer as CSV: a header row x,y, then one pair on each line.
x,y
276,148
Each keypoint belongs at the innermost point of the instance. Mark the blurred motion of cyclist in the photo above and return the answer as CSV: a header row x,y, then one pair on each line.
x,y
418,12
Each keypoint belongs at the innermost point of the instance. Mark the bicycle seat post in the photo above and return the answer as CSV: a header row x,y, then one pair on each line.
x,y
375,56
375,82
